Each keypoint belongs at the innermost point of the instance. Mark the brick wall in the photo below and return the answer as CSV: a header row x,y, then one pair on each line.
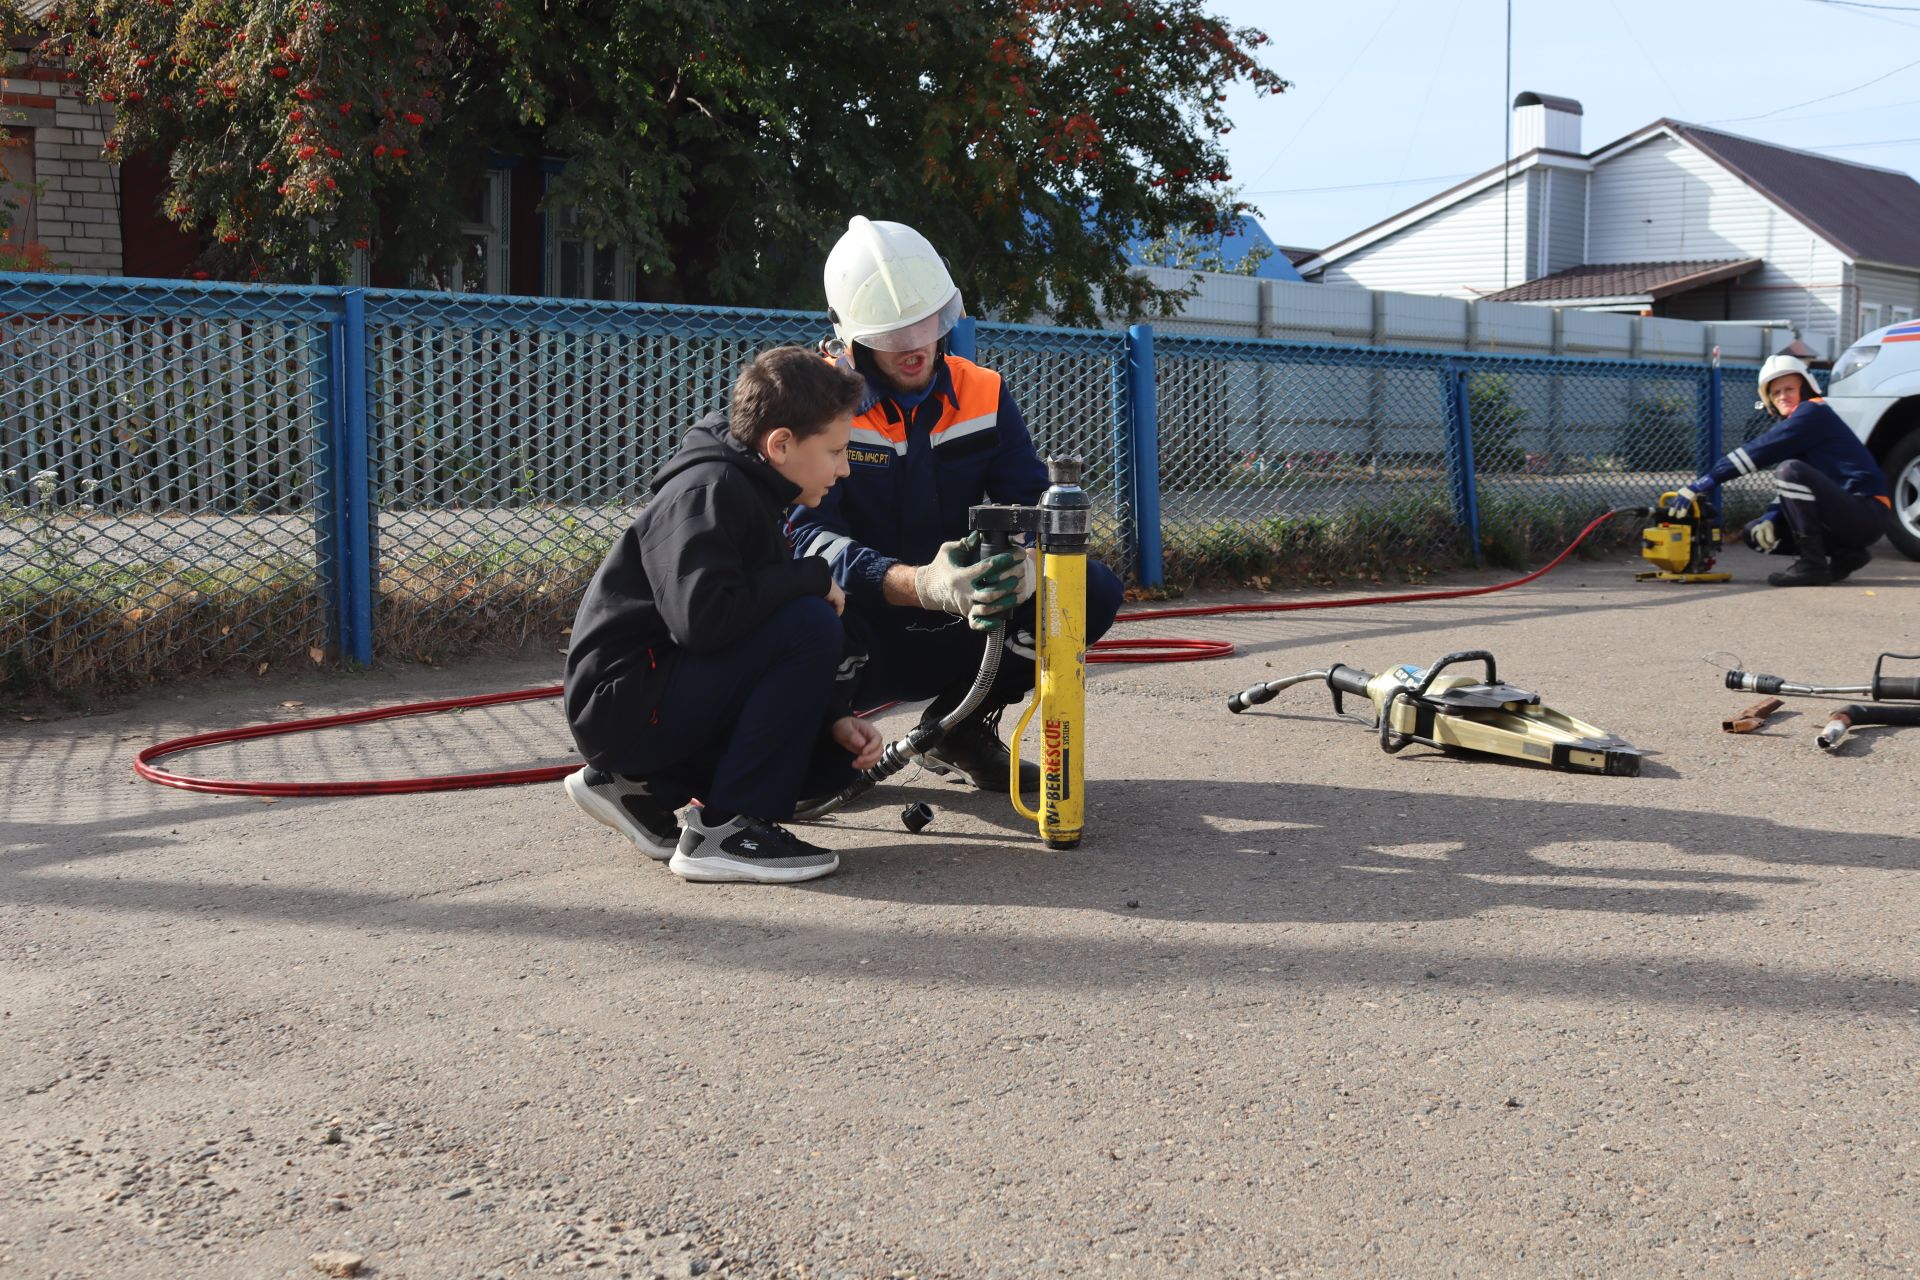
x,y
78,210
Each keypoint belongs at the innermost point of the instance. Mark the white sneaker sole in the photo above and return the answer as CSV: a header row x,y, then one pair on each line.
x,y
609,814
721,869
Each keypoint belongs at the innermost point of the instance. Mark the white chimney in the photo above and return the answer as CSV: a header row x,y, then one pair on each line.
x,y
1541,121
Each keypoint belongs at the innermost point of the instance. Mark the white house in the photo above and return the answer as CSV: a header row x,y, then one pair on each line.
x,y
1674,220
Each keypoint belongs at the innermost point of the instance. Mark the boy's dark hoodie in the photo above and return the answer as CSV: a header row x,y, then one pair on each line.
x,y
704,563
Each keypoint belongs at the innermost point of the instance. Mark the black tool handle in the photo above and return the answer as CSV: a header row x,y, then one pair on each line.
x,y
1347,679
1754,682
1252,697
1895,688
1460,655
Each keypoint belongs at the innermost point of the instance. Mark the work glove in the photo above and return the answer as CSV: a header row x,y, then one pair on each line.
x,y
955,582
1763,536
1680,506
1013,577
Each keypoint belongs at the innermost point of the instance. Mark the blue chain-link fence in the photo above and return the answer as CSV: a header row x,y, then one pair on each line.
x,y
195,475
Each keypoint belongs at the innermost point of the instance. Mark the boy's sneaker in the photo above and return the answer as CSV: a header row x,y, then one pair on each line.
x,y
627,806
749,849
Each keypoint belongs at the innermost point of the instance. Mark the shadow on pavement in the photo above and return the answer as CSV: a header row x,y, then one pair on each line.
x,y
1165,856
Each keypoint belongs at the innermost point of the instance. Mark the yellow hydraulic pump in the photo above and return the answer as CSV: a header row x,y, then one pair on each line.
x,y
1680,550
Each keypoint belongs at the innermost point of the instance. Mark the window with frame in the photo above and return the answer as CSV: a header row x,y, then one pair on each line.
x,y
576,267
484,244
1900,315
1869,317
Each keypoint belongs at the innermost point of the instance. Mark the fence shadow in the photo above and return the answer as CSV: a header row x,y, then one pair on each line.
x,y
1166,854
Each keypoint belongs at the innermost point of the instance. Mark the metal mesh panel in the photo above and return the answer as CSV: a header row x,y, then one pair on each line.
x,y
1300,461
1555,443
181,465
158,470
1071,389
512,443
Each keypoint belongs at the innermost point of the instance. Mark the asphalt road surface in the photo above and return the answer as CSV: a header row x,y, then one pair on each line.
x,y
1296,1007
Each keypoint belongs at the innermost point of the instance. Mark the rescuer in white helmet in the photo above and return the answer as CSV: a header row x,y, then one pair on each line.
x,y
1831,499
935,435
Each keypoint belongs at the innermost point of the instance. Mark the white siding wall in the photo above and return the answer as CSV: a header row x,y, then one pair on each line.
x,y
1664,200
1889,287
1567,219
1454,253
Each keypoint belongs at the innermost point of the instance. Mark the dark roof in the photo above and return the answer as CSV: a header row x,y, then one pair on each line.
x,y
1625,280
1867,212
1547,100
1295,254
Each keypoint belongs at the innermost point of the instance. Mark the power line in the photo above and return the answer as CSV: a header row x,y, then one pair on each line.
x,y
1506,173
1860,4
1331,92
1823,98
1361,186
1855,146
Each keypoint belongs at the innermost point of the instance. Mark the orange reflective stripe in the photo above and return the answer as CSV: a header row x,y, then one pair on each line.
x,y
1883,500
975,406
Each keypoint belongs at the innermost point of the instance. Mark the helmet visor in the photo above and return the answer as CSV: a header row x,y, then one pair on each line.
x,y
921,333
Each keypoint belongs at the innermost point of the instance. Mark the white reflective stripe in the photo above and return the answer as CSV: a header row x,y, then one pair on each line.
x,y
827,544
868,436
1795,492
1740,459
986,422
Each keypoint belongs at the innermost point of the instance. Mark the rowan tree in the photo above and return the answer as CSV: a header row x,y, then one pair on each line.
x,y
723,144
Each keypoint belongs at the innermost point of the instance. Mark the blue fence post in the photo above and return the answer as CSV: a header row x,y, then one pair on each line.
x,y
346,543
962,341
1466,501
329,485
1144,473
1709,442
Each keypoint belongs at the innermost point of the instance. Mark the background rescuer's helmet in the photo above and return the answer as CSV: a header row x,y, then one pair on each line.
x,y
1780,367
887,289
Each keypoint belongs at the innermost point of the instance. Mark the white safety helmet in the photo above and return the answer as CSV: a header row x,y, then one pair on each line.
x,y
887,289
1780,367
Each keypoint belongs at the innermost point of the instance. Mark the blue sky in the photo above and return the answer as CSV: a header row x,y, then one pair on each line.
x,y
1394,100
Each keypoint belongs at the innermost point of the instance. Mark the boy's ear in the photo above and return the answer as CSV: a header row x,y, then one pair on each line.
x,y
775,444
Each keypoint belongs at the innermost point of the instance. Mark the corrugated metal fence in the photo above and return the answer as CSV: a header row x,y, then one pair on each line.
x,y
197,474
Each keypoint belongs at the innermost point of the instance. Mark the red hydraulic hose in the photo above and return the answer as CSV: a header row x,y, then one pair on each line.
x,y
143,764
1140,649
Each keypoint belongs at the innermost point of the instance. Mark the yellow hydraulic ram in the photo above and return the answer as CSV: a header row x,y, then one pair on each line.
x,y
1060,648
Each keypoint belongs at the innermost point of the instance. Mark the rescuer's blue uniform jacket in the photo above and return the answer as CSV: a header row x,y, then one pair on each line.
x,y
1815,435
913,472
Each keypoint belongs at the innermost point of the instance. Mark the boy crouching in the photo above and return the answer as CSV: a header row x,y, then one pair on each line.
x,y
704,654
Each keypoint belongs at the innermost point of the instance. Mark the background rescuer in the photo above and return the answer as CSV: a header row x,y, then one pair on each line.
x,y
1831,502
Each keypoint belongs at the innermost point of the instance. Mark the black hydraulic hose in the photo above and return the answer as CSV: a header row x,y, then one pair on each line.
x,y
1858,713
919,740
1754,682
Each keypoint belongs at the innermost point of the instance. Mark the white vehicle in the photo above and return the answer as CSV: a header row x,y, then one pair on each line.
x,y
1875,388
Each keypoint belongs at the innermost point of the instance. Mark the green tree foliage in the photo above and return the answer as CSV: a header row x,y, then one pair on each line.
x,y
723,143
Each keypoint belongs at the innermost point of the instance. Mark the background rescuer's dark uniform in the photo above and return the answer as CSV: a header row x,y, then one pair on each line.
x,y
703,652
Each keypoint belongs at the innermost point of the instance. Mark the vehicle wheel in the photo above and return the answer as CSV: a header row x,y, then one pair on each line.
x,y
1902,466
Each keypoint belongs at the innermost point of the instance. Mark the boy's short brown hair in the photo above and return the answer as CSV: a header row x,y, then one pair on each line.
x,y
790,387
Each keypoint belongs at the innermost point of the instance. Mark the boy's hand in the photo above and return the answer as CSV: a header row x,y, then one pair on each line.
x,y
862,737
837,597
